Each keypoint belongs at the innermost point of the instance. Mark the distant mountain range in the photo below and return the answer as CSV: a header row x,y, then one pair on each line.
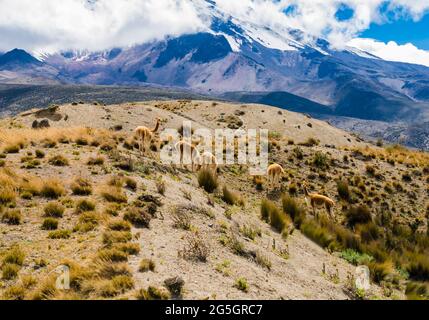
x,y
242,61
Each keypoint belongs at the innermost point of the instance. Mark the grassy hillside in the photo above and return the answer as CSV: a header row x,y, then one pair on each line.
x,y
79,194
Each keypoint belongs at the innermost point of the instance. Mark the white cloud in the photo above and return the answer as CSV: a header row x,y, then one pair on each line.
x,y
50,25
392,51
317,17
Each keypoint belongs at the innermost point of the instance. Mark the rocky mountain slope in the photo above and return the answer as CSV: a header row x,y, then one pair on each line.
x,y
235,55
78,194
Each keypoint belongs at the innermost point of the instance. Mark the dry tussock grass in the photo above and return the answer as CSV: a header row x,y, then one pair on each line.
x,y
397,154
23,137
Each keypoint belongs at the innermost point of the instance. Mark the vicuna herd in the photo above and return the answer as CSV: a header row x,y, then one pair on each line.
x,y
207,161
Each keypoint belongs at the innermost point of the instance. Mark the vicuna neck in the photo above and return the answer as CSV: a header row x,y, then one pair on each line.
x,y
156,126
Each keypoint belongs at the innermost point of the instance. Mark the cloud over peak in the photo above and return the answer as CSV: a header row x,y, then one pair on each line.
x,y
49,25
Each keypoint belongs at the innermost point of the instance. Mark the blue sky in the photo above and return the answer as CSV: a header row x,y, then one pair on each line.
x,y
401,31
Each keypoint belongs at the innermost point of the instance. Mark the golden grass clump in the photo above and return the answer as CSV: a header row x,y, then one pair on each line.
x,y
81,187
59,234
85,205
59,161
12,217
50,224
231,197
207,180
113,194
271,214
152,293
52,189
54,210
146,265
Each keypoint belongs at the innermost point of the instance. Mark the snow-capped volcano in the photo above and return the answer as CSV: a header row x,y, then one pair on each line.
x,y
251,62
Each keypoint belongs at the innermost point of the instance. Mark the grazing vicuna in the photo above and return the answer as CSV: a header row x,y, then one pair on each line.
x,y
145,136
207,161
189,152
275,171
318,200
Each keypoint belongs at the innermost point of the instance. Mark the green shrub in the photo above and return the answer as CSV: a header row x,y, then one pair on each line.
x,y
318,234
343,190
113,237
12,148
207,180
98,161
59,234
131,184
81,187
369,232
85,205
417,291
380,271
54,210
7,194
113,194
274,216
355,257
50,224
14,256
128,248
321,160
152,293
418,268
138,217
52,189
358,215
231,198
40,154
293,209
12,217
10,271
59,161
119,225
146,265
241,284
112,255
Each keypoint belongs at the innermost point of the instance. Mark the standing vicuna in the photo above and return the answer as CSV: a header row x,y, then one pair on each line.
x,y
275,171
318,200
207,161
145,136
189,151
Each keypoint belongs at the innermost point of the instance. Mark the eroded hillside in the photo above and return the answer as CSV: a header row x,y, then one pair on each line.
x,y
79,194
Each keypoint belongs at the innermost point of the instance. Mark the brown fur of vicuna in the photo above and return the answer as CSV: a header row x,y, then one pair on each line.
x,y
274,172
145,136
190,151
207,161
318,200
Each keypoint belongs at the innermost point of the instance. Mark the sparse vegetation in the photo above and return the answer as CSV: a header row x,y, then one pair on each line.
x,y
241,284
207,180
59,161
54,210
81,187
146,265
113,194
195,248
59,234
271,214
50,224
52,189
12,217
